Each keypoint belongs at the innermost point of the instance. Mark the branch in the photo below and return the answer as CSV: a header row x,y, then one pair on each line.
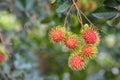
x,y
86,18
79,14
68,12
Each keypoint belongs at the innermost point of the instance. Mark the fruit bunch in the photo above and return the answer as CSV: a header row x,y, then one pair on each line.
x,y
82,46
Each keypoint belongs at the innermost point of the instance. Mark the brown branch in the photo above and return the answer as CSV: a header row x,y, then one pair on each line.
x,y
79,14
67,14
86,18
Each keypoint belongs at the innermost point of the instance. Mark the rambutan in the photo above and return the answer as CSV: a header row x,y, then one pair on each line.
x,y
71,42
89,35
88,51
56,34
76,62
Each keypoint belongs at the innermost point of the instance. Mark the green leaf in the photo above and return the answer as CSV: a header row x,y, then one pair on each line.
x,y
111,3
116,20
17,73
62,8
30,4
105,12
119,0
19,5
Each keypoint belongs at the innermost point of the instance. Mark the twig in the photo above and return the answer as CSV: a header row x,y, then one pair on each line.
x,y
65,21
79,14
86,18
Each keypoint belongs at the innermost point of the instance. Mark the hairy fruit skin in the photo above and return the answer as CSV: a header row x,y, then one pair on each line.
x,y
56,35
76,62
71,42
89,36
87,50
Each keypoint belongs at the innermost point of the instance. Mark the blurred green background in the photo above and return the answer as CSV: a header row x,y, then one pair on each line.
x,y
25,25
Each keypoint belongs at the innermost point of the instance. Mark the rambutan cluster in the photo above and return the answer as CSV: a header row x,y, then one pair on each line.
x,y
59,34
83,46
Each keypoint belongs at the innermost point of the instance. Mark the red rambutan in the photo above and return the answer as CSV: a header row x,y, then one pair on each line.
x,y
76,62
71,42
56,34
87,50
89,36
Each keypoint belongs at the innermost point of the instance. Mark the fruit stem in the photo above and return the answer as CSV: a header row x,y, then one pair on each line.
x,y
79,14
86,18
67,14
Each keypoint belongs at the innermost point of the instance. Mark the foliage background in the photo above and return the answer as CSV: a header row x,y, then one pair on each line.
x,y
25,25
